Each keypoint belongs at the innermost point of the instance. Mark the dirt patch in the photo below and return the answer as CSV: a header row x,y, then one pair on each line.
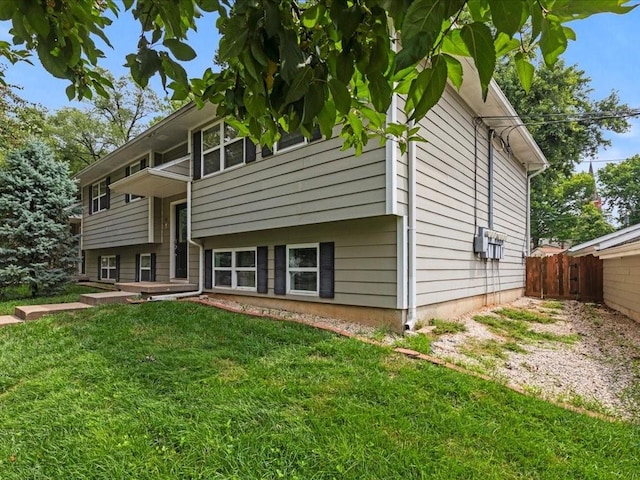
x,y
588,356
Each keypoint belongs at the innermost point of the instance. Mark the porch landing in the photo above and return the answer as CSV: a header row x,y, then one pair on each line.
x,y
156,287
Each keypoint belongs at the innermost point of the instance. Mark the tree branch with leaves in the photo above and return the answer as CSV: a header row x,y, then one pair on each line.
x,y
294,65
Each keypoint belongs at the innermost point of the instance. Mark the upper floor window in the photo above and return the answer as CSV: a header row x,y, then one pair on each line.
x,y
222,148
99,201
130,170
290,140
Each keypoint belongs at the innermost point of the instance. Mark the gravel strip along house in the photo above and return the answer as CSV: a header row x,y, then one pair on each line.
x,y
382,238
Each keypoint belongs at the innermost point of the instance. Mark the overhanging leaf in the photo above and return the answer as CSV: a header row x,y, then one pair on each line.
x,y
180,50
300,85
525,71
454,70
341,95
423,16
507,15
432,82
478,39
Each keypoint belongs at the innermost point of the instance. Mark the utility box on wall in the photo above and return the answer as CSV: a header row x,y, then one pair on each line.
x,y
489,244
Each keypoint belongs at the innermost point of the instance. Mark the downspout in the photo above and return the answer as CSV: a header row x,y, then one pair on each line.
x,y
411,237
491,180
200,258
529,177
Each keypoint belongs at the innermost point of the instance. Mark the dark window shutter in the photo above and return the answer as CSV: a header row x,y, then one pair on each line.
x,y
143,164
153,267
127,197
90,199
108,181
117,268
84,264
280,258
99,267
263,272
196,147
266,151
327,269
249,151
137,267
316,134
208,269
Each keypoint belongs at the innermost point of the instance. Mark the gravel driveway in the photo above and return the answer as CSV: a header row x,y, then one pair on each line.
x,y
595,365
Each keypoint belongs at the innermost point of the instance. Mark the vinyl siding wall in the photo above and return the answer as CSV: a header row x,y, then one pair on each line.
x,y
314,183
365,258
122,224
447,220
163,249
621,280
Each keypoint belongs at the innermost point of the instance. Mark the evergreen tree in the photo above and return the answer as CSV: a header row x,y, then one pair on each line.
x,y
36,200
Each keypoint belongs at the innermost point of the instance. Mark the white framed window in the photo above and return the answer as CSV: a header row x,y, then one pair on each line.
x,y
108,267
145,267
235,268
303,269
222,148
289,141
133,168
99,196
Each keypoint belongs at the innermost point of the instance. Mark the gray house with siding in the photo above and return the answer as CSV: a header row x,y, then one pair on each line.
x,y
380,238
620,255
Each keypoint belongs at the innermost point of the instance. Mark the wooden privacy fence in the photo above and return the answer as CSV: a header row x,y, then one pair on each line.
x,y
563,277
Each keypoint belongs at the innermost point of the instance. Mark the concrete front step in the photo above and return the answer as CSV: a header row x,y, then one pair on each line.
x,y
31,312
9,320
151,288
102,298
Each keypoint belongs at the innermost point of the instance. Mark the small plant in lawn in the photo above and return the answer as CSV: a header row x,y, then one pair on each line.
x,y
445,326
381,333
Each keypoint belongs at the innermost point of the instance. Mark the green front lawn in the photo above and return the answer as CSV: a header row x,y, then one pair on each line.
x,y
15,297
173,390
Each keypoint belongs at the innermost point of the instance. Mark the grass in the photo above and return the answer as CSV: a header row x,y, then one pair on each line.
x,y
177,390
446,326
15,297
419,342
519,330
524,315
553,305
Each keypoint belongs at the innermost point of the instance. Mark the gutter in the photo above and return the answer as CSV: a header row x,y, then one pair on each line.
x,y
411,237
529,177
200,246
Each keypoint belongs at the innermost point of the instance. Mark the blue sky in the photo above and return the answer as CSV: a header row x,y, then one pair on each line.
x,y
606,49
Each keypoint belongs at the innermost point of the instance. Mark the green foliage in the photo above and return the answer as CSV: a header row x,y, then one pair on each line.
x,y
19,119
81,136
177,390
292,65
519,330
621,189
36,200
566,124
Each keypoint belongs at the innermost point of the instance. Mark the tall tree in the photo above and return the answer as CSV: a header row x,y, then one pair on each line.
x,y
83,135
621,189
302,64
19,119
568,125
36,200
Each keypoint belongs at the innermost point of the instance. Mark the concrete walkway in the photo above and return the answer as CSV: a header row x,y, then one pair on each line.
x,y
88,300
